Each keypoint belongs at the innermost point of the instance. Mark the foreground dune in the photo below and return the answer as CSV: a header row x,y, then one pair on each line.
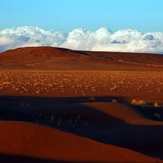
x,y
116,123
35,141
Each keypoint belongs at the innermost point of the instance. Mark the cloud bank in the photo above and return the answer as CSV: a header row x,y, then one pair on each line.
x,y
80,39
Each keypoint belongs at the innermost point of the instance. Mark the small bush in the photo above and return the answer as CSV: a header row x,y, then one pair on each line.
x,y
137,102
114,101
157,116
156,104
92,99
134,102
141,102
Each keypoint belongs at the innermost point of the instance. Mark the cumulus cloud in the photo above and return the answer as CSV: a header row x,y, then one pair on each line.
x,y
81,39
29,36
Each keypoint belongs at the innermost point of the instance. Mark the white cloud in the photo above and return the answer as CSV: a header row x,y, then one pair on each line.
x,y
80,39
29,36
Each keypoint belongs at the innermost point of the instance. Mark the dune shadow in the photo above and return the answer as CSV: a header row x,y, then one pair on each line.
x,y
70,115
24,159
150,112
25,108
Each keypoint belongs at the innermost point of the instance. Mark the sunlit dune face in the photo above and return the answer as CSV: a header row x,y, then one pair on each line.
x,y
26,139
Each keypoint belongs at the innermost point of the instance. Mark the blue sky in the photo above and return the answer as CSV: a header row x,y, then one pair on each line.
x,y
66,15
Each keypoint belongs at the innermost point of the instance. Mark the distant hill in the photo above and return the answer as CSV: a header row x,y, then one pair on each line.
x,y
50,58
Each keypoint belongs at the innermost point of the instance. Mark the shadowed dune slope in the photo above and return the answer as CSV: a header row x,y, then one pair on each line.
x,y
129,57
26,139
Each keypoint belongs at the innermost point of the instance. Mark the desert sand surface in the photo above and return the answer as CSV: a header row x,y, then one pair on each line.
x,y
35,141
48,58
133,84
99,106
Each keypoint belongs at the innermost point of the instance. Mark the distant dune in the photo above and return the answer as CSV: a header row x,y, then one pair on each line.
x,y
59,58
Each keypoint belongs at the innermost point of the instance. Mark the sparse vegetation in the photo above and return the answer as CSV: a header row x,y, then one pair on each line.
x,y
157,116
92,99
138,102
114,101
156,104
61,121
81,83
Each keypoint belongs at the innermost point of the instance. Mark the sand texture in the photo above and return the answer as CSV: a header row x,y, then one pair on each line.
x,y
61,105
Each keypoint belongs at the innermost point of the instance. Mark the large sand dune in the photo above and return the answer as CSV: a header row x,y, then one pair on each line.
x,y
65,59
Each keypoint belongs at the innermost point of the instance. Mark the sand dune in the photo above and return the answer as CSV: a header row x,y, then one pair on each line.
x,y
26,139
84,94
63,59
125,127
123,112
116,123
